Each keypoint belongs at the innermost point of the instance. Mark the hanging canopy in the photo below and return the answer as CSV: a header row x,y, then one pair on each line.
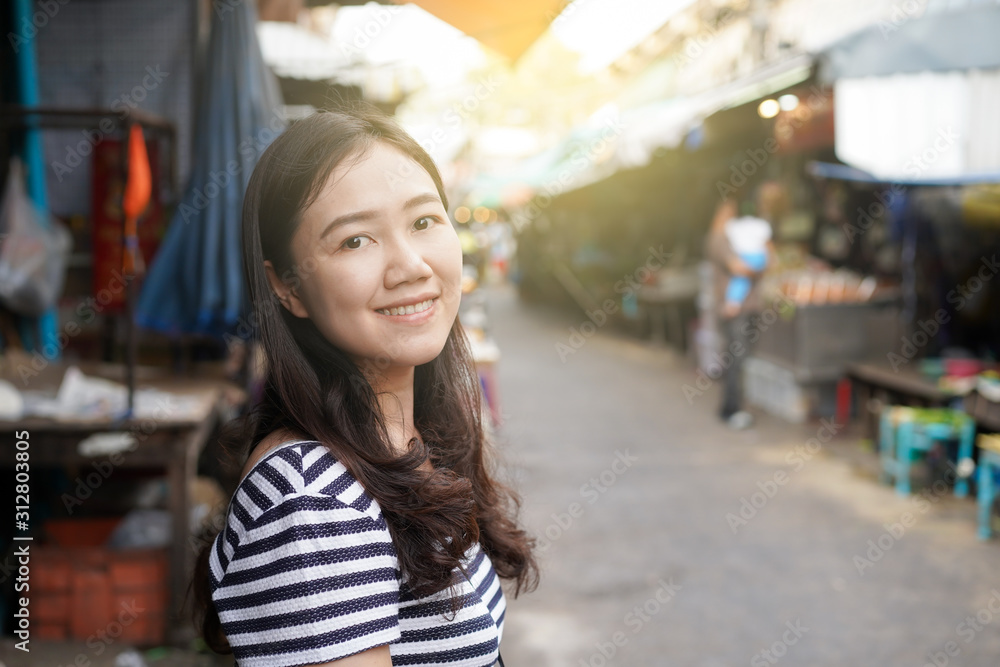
x,y
508,27
844,172
936,42
195,283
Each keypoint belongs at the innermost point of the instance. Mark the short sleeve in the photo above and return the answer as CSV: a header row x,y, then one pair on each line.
x,y
311,580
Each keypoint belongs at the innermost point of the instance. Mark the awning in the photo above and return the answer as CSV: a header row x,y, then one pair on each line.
x,y
508,27
844,172
936,42
930,126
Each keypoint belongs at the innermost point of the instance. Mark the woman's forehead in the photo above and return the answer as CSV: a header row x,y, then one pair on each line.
x,y
381,177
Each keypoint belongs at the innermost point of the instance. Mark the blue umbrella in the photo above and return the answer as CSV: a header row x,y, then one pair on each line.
x,y
195,283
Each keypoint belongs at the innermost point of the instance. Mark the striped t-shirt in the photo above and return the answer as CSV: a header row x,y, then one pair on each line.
x,y
305,572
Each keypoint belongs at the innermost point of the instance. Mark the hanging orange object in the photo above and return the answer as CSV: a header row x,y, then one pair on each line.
x,y
138,189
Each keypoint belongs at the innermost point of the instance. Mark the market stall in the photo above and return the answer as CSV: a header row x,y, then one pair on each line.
x,y
72,419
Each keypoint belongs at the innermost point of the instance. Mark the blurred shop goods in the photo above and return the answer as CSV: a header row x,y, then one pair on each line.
x,y
138,192
485,352
114,180
666,303
77,418
11,401
86,397
80,583
827,287
33,251
142,529
130,658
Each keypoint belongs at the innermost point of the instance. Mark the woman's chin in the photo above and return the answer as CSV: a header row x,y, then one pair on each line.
x,y
410,357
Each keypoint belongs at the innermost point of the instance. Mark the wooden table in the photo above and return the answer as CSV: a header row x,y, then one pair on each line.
x,y
907,387
983,410
896,387
170,442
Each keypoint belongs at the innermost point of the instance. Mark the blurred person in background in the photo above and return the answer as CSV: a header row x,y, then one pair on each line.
x,y
741,249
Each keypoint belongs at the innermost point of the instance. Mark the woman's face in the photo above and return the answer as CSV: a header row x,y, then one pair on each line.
x,y
378,236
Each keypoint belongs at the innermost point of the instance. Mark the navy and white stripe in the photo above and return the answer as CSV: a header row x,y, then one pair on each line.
x,y
305,572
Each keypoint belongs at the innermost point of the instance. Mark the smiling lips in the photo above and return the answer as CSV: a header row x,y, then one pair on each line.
x,y
407,310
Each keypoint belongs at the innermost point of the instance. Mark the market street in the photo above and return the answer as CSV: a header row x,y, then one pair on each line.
x,y
668,539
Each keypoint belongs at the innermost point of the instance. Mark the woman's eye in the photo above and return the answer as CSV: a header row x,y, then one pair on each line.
x,y
426,219
353,243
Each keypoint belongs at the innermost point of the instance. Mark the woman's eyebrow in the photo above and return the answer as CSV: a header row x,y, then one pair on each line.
x,y
357,216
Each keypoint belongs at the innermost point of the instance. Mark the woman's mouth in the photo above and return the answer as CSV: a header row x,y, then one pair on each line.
x,y
405,311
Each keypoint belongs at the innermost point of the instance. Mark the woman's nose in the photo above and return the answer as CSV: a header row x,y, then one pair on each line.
x,y
405,261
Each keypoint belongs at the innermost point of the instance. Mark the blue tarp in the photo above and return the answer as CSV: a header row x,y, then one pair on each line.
x,y
195,283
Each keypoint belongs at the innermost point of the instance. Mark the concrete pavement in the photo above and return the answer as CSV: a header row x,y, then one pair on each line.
x,y
669,540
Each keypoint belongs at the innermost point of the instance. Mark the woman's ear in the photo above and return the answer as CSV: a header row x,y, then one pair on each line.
x,y
286,294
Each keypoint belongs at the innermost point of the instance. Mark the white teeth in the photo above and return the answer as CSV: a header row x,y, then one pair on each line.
x,y
407,310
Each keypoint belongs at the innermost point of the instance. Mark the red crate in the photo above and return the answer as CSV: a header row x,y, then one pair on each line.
x,y
80,593
91,608
51,571
52,632
50,607
80,532
138,569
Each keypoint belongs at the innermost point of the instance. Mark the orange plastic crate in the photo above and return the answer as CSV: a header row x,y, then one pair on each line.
x,y
51,570
78,593
48,631
91,606
138,569
50,607
81,532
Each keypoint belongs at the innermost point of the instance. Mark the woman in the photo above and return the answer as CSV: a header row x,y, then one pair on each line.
x,y
367,529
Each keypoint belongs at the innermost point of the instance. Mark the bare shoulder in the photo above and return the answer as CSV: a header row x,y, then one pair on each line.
x,y
261,449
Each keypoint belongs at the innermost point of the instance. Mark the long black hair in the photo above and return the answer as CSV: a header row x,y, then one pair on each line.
x,y
313,387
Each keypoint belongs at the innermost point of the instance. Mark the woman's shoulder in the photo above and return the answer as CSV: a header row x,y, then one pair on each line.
x,y
297,469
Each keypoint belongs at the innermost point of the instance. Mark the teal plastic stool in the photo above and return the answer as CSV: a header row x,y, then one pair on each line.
x,y
987,473
907,431
887,440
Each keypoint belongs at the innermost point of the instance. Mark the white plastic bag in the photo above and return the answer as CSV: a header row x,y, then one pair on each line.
x,y
33,255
